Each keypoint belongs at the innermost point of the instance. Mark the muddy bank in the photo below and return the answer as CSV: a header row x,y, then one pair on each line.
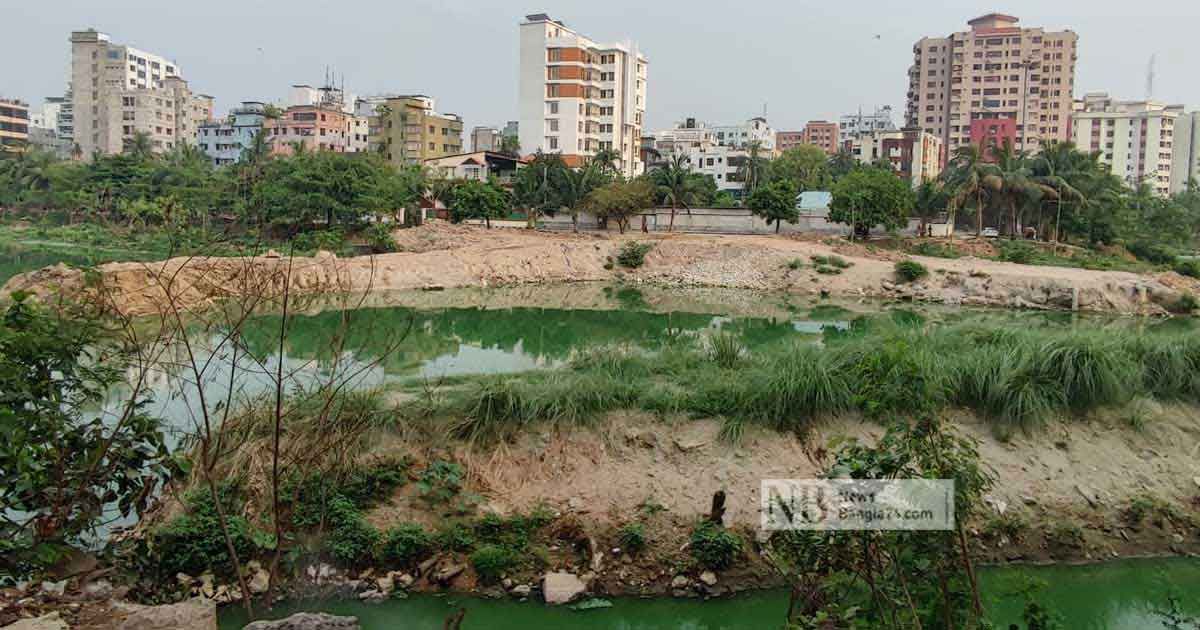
x,y
438,256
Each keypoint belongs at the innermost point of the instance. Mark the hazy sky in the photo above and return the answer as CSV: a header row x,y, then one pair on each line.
x,y
719,61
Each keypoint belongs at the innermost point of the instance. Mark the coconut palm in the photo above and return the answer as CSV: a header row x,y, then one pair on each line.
x,y
968,168
1013,183
606,160
572,186
676,186
139,145
754,167
1057,166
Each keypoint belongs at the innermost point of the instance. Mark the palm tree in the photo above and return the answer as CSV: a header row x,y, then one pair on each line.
x,y
1057,166
754,167
931,201
139,146
676,186
572,187
968,168
606,160
1013,183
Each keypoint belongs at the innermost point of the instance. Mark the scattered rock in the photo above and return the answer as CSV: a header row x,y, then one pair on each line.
x,y
260,579
386,584
447,573
372,596
522,590
680,582
272,254
688,445
52,621
307,621
1088,495
404,581
54,588
708,578
100,589
561,587
194,614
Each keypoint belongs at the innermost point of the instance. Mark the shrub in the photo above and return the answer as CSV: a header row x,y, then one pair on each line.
x,y
633,254
1152,252
936,250
351,540
192,543
795,264
1190,267
1017,252
492,561
715,547
632,537
441,481
333,240
1185,304
379,238
910,270
827,270
455,537
405,544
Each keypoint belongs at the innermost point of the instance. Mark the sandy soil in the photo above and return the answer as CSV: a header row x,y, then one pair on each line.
x,y
1085,471
439,255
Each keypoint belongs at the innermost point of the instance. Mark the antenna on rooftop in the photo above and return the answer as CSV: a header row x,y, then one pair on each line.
x,y
1150,78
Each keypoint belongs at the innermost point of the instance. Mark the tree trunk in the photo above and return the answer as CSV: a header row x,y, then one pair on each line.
x,y
671,226
978,214
777,222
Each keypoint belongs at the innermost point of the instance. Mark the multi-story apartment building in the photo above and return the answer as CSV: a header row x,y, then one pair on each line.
x,y
1135,139
412,131
996,81
850,125
741,136
485,139
577,97
224,141
720,162
687,135
915,154
1185,165
14,124
317,127
821,133
785,140
118,91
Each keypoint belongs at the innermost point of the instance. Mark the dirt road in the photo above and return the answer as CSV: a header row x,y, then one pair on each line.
x,y
440,255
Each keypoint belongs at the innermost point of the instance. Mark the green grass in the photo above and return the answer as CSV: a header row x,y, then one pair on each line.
x,y
1015,377
910,270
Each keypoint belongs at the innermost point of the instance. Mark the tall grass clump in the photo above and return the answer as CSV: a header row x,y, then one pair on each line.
x,y
1170,365
1093,369
725,349
910,270
797,386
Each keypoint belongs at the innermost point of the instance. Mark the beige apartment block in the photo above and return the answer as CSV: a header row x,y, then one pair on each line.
x,y
994,82
1137,140
119,91
14,125
577,97
412,131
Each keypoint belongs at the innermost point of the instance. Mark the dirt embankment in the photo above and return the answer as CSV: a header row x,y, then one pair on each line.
x,y
439,255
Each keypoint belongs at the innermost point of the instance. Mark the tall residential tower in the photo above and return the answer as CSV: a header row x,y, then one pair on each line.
x,y
995,82
577,97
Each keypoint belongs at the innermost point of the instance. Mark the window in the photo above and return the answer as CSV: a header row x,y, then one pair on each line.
x,y
552,107
553,143
552,124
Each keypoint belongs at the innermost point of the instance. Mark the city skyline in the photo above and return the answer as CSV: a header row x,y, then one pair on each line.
x,y
782,62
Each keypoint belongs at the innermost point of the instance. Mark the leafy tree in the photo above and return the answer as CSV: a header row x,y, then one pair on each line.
x,y
620,201
606,160
775,203
805,166
868,197
510,145
841,164
473,199
61,464
572,186
753,171
139,146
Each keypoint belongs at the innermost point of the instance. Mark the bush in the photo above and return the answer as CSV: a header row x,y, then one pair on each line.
x,y
1152,252
441,481
455,537
379,238
725,349
632,537
1185,304
1017,252
192,543
910,270
715,547
1190,267
351,540
320,240
935,250
405,544
836,262
827,270
795,264
633,254
492,561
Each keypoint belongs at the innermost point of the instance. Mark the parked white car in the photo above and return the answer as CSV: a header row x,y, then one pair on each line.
x,y
990,233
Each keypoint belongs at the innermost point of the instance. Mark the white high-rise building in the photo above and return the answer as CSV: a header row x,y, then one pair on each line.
x,y
1136,139
118,91
852,125
577,97
740,136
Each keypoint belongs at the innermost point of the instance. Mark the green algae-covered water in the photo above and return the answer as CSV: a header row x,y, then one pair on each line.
x,y
1121,595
